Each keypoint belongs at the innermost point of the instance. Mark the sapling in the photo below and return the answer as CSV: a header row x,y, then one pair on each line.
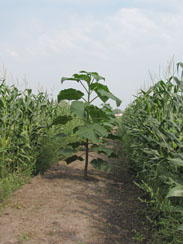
x,y
96,122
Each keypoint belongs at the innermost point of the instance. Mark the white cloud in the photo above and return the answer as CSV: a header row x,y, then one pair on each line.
x,y
161,5
12,53
122,46
79,2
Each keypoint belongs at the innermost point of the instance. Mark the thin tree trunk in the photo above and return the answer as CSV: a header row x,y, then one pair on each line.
x,y
86,162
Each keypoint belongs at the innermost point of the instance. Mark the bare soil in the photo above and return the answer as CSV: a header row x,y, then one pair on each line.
x,y
61,207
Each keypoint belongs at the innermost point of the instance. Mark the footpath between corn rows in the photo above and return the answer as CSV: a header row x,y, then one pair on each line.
x,y
63,208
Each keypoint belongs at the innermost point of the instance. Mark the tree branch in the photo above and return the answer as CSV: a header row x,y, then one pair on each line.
x,y
94,99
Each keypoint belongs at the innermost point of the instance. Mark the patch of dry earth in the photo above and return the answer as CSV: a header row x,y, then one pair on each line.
x,y
63,208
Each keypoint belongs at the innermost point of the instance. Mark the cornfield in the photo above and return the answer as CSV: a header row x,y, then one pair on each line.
x,y
26,141
152,137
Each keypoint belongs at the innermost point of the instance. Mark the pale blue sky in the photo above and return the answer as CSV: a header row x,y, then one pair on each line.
x,y
43,40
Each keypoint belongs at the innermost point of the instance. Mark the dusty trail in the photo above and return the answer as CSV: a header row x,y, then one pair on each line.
x,y
62,208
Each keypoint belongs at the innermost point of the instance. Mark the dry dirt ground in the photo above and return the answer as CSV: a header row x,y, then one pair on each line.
x,y
63,208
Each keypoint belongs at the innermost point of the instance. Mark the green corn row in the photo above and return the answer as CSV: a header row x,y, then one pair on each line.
x,y
24,133
152,137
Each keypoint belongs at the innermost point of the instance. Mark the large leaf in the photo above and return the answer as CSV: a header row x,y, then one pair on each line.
x,y
175,192
87,131
78,108
95,75
61,120
102,149
73,158
92,132
67,151
100,130
105,95
97,114
84,77
100,164
70,94
71,78
96,86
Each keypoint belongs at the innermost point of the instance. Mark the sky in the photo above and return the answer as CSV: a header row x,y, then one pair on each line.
x,y
123,40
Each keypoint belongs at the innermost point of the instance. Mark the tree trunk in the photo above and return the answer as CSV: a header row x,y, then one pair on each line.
x,y
86,162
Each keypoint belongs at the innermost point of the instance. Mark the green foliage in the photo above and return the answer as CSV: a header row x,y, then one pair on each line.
x,y
117,111
100,164
152,136
95,123
27,143
70,94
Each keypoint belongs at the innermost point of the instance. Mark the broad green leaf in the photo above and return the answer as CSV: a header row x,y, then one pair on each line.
x,y
71,78
87,131
100,130
61,120
102,149
67,152
73,158
95,75
175,192
92,132
86,78
78,108
100,164
96,86
70,94
97,114
104,95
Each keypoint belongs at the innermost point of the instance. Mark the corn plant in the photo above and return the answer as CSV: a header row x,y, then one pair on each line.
x,y
24,120
95,123
152,135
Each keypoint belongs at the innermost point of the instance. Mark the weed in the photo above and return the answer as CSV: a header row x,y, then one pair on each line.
x,y
25,236
138,236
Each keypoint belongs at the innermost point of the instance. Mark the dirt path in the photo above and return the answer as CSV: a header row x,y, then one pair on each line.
x,y
62,208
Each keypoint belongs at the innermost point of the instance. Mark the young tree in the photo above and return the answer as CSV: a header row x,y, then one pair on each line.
x,y
96,123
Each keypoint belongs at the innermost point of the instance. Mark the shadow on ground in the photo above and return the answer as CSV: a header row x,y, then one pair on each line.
x,y
110,201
